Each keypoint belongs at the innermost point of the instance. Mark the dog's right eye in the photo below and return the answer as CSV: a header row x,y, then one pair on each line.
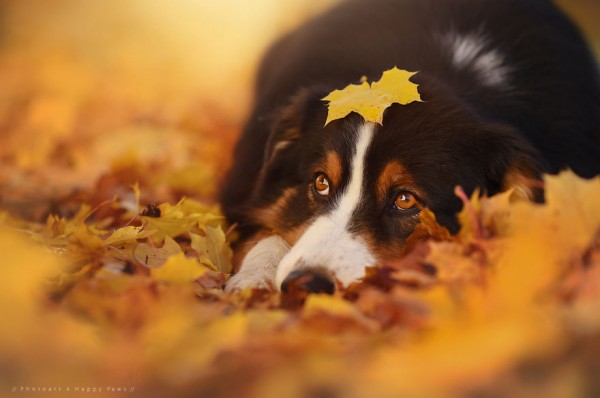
x,y
322,185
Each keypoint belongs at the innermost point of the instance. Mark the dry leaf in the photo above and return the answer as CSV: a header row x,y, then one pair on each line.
x,y
153,257
213,248
123,235
179,270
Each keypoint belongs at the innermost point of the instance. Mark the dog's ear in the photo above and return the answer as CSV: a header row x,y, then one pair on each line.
x,y
525,180
512,163
292,119
282,154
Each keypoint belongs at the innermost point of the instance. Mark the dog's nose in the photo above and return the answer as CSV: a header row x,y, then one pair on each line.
x,y
310,280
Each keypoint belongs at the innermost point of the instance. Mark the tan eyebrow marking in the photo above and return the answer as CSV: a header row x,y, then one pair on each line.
x,y
333,167
394,174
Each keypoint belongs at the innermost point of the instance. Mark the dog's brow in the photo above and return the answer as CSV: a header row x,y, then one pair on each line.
x,y
394,174
333,167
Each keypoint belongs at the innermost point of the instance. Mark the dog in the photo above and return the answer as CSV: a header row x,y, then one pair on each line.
x,y
509,91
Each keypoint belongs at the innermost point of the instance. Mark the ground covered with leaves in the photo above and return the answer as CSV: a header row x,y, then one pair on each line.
x,y
114,255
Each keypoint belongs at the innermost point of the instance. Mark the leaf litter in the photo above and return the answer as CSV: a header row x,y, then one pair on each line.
x,y
457,315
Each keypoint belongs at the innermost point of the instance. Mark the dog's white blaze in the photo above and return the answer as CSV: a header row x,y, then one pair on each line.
x,y
326,242
470,51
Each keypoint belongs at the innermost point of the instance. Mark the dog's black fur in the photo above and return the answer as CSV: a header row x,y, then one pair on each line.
x,y
544,118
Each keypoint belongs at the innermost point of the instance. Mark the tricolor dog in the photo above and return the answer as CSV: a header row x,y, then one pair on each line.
x,y
509,89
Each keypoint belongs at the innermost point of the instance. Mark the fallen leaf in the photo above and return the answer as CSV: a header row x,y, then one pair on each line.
x,y
214,249
154,257
125,235
427,228
179,269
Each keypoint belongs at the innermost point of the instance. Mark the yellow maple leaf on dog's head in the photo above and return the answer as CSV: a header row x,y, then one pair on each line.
x,y
371,100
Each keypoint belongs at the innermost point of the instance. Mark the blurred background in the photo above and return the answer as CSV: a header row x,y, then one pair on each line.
x,y
146,90
90,86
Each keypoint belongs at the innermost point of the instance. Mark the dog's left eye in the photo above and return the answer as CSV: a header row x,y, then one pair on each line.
x,y
322,185
405,201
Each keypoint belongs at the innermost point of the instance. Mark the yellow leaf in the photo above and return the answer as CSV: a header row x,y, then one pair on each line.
x,y
453,264
331,305
171,223
179,270
186,216
335,309
84,246
154,257
204,214
490,214
370,101
125,234
57,226
573,201
213,247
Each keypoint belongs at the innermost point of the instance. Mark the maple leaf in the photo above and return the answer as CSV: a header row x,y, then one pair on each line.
x,y
179,269
331,307
172,222
427,228
371,100
154,257
216,253
125,234
184,217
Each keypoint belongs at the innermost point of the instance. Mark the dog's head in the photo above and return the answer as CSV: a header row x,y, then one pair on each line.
x,y
348,195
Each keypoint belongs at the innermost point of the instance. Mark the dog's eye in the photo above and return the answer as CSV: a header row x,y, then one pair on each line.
x,y
322,185
405,201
